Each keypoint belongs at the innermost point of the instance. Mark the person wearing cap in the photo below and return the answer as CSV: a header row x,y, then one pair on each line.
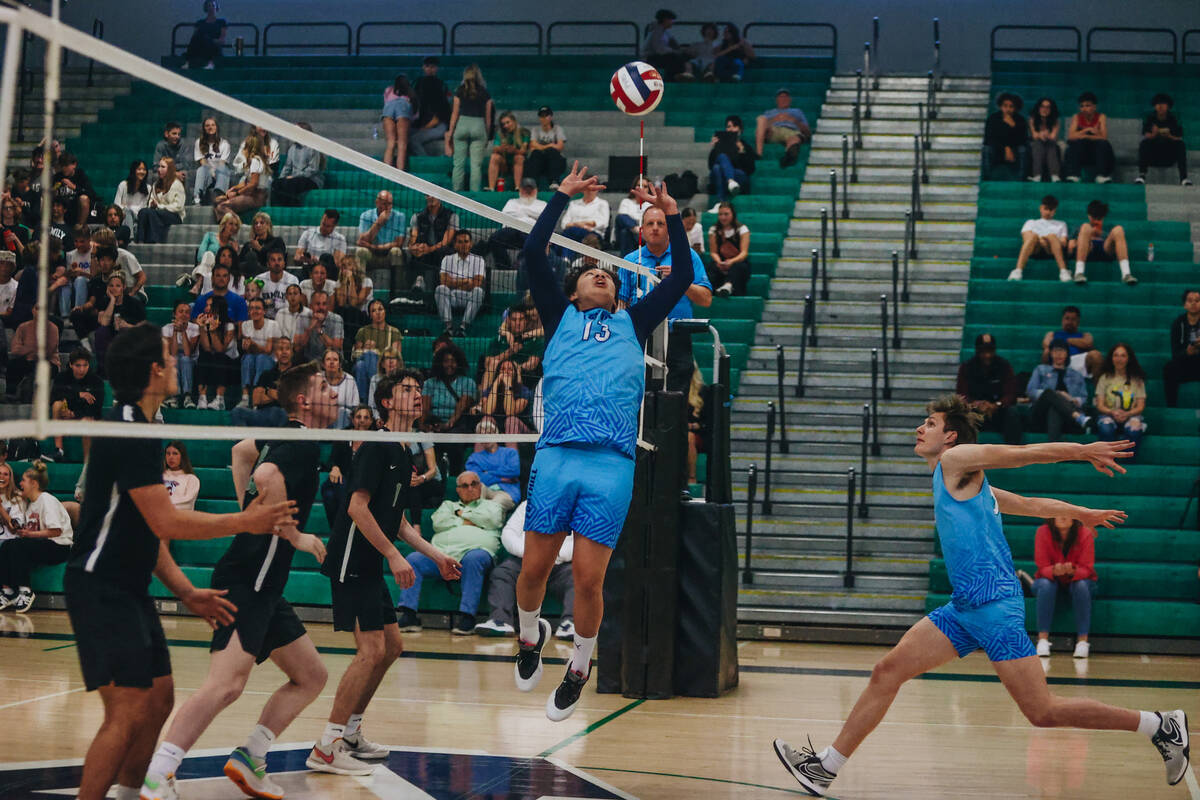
x,y
1058,394
661,51
1084,358
1162,140
986,381
545,162
508,151
785,125
525,206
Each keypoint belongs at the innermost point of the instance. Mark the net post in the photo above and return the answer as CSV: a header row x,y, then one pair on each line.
x,y
51,90
8,80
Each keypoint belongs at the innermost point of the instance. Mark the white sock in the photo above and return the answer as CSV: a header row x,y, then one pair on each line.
x,y
581,656
528,631
260,742
1149,724
831,759
332,733
128,793
1124,267
166,760
353,725
1079,267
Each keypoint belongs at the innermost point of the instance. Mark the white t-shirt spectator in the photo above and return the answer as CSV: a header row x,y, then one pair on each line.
x,y
555,135
597,211
317,244
273,292
289,323
203,273
192,332
212,156
470,267
742,230
16,512
1046,227
261,336
8,293
369,285
132,203
526,209
696,237
347,392
127,262
46,512
183,487
231,349
306,286
82,261
632,208
239,161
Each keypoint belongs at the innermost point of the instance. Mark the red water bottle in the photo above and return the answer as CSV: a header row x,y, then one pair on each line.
x,y
500,184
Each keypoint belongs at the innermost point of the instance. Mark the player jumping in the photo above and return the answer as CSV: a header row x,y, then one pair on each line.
x,y
987,609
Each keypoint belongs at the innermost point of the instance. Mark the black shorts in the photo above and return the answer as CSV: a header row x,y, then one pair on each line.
x,y
117,633
365,601
264,623
1096,252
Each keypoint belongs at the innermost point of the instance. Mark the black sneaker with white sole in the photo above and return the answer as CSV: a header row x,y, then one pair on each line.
x,y
805,767
528,669
1171,740
561,704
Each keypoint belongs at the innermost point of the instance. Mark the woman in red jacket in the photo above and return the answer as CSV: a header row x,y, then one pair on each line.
x,y
1065,552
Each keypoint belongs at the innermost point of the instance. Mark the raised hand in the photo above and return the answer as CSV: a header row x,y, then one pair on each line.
x,y
577,180
1105,518
659,198
1103,455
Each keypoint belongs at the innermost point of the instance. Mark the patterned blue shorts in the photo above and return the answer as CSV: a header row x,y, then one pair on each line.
x,y
998,627
584,489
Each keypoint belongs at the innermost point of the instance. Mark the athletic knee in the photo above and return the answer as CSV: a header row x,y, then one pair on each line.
x,y
1041,716
886,674
1118,232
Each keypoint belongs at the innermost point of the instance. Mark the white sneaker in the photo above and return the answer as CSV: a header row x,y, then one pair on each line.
x,y
1015,275
251,776
1080,277
1072,179
528,668
23,601
1103,179
364,749
1138,179
716,207
733,186
1171,739
566,630
490,627
724,290
1055,179
158,787
1064,275
1185,182
1081,650
337,760
202,402
1043,648
1130,279
245,402
217,404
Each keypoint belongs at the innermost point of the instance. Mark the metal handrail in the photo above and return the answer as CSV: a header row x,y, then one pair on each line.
x,y
915,197
780,369
846,177
875,50
348,45
931,113
455,44
866,71
1184,52
896,300
1077,50
910,242
613,45
883,318
98,32
751,490
397,47
252,45
832,47
937,50
812,292
824,260
808,334
848,577
833,195
766,502
1122,51
875,449
863,511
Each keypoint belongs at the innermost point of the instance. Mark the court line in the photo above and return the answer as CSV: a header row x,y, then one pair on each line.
x,y
43,697
597,724
700,778
1193,787
58,647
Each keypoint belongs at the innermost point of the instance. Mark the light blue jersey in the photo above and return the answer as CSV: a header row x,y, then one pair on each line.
x,y
977,555
594,379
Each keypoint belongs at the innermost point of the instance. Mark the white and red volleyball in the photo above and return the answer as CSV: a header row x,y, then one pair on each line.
x,y
637,88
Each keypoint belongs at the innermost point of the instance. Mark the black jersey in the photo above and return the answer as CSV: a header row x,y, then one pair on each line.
x,y
384,471
262,561
112,540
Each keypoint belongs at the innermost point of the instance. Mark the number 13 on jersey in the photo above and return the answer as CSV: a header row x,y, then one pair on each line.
x,y
602,335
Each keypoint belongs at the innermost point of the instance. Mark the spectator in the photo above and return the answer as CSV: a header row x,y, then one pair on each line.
x,y
428,133
22,355
236,306
60,229
987,383
83,319
629,218
470,121
588,215
1087,142
506,400
381,233
389,362
78,273
303,172
591,240
341,458
115,312
266,411
371,340
270,148
729,249
695,232
428,487
294,319
461,284
73,185
1184,366
704,53
126,262
352,295
211,154
502,585
430,240
207,39
250,192
699,427
44,540
171,146
1121,396
8,294
12,519
467,529
77,393
730,161
27,191
275,282
114,220
1065,552
508,151
259,335
782,124
545,162
165,206
664,53
448,393
1043,141
178,476
326,329
1084,357
1058,393
14,236
183,340
525,206
399,113
133,193
1093,245
225,236
317,281
521,340
656,255
323,240
1043,236
733,53
341,383
253,257
217,363
1004,137
1162,141
498,468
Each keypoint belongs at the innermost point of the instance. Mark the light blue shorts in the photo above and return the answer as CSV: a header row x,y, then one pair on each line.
x,y
998,627
581,488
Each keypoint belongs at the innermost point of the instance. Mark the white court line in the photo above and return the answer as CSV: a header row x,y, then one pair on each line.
x,y
1193,786
43,697
387,785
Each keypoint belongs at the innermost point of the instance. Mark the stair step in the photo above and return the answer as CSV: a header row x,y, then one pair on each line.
x,y
833,600
754,613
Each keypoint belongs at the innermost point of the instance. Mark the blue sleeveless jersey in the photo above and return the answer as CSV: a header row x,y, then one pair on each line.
x,y
977,555
594,376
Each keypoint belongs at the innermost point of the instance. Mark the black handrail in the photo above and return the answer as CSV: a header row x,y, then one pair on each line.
x,y
910,242
812,292
824,260
1124,51
780,369
862,454
875,449
937,50
860,111
915,197
455,44
348,45
896,300
867,85
98,32
751,490
875,50
832,47
177,46
846,176
931,112
848,578
398,47
766,501
1077,50
807,329
883,318
631,47
1183,50
833,194
719,477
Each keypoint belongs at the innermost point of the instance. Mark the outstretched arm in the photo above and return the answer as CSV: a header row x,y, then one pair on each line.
x,y
1046,507
652,309
964,458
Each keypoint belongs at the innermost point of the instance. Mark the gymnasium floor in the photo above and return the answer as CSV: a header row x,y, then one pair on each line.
x,y
461,730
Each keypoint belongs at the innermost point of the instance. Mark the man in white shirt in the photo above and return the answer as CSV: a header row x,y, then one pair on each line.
x,y
381,235
295,316
275,282
461,284
525,206
1045,235
322,240
591,214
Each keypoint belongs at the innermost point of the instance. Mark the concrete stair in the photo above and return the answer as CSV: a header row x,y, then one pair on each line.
x,y
78,104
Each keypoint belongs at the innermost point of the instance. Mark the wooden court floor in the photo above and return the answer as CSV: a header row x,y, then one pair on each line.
x,y
955,734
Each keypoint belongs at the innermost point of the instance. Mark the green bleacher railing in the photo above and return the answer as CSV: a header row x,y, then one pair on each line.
x,y
455,44
348,45
631,46
1035,49
435,46
1092,50
177,46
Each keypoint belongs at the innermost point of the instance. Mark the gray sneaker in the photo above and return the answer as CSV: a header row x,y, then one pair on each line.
x,y
805,767
1171,739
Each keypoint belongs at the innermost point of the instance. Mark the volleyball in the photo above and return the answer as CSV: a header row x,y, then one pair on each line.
x,y
637,88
